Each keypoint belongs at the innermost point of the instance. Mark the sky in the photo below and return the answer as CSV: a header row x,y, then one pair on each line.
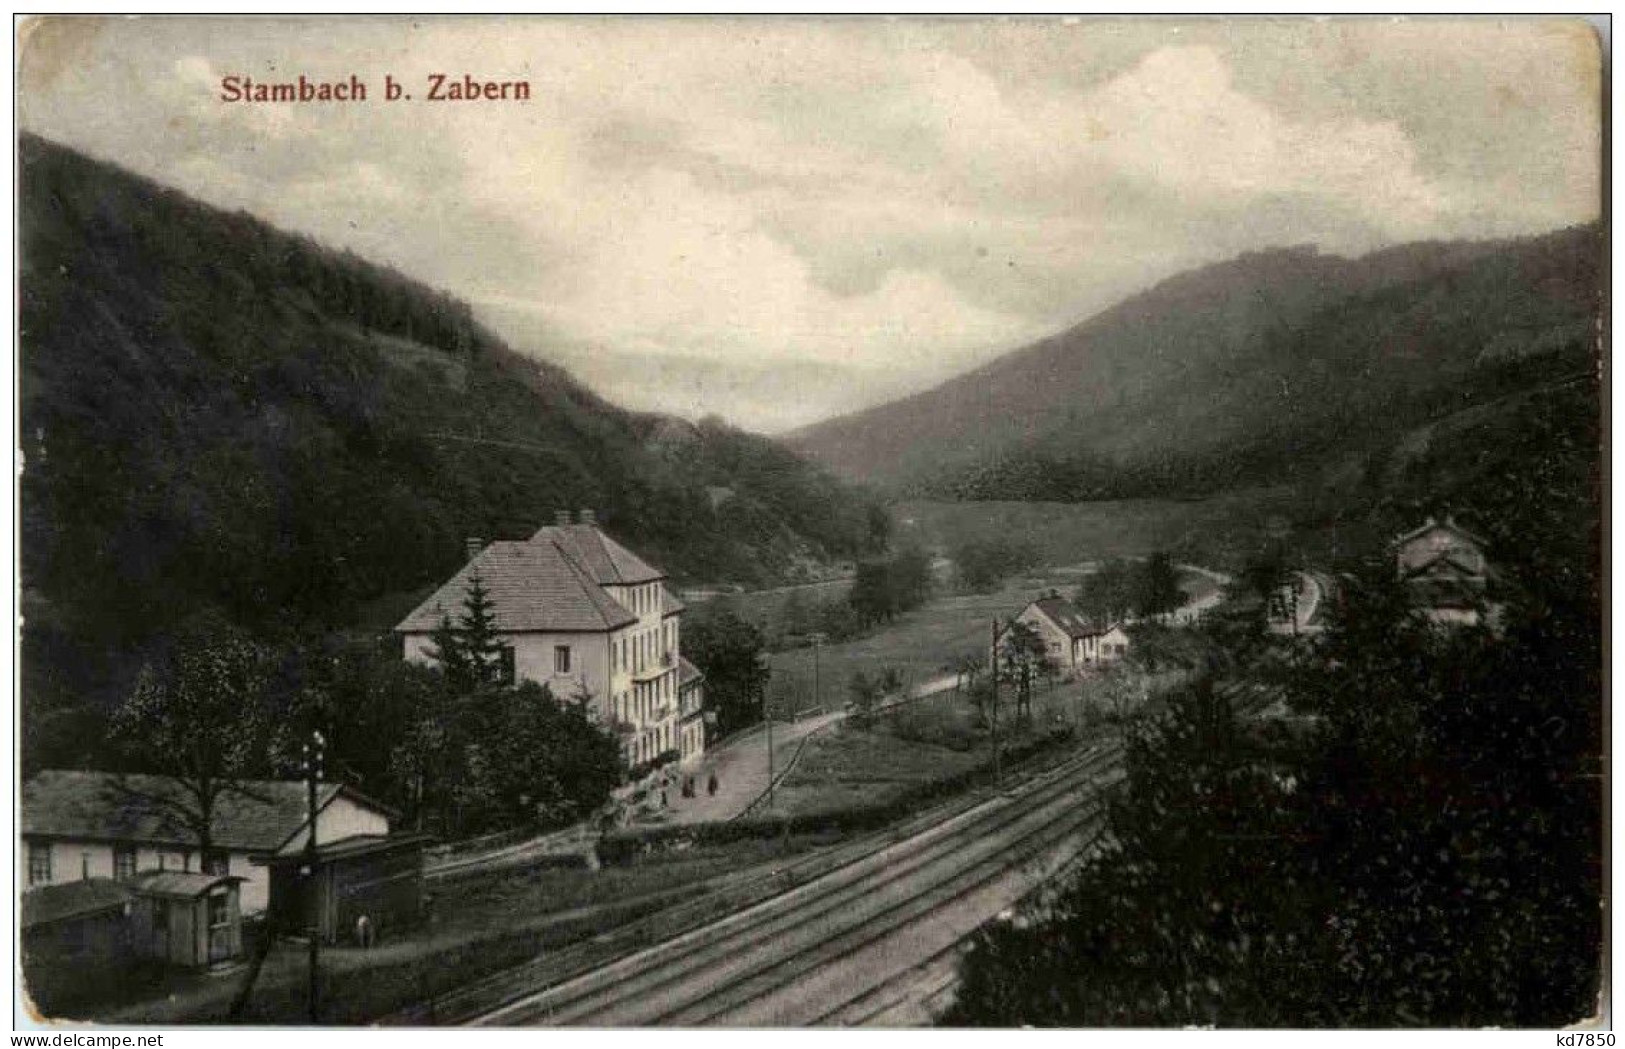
x,y
778,221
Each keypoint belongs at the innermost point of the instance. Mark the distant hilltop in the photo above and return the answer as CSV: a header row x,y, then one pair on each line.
x,y
1242,372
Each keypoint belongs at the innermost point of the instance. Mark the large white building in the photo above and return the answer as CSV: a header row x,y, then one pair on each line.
x,y
583,615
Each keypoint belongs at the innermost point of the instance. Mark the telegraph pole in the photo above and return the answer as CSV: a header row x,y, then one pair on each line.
x,y
768,717
818,693
993,668
313,775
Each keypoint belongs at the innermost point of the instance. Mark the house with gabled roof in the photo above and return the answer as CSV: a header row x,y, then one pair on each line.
x,y
78,825
1070,638
577,611
1443,567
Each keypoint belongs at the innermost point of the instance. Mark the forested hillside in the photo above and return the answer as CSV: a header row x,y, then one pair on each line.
x,y
1256,370
220,416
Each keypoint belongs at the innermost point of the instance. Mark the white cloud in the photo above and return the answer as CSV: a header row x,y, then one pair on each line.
x,y
876,198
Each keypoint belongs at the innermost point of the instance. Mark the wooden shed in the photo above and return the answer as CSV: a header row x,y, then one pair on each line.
x,y
75,941
379,878
187,919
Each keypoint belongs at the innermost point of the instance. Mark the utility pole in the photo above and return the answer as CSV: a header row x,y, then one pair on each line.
x,y
313,775
818,694
993,668
768,717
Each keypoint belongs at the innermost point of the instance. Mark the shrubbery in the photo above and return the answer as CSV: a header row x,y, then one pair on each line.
x,y
622,846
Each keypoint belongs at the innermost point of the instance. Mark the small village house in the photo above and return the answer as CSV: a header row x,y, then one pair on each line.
x,y
1110,645
186,918
79,939
581,614
75,940
364,888
79,825
1443,567
1070,639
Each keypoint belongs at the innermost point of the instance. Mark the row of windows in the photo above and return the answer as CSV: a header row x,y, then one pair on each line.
x,y
646,599
687,740
124,861
636,653
652,744
644,697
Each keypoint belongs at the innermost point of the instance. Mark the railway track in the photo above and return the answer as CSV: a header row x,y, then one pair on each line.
x,y
866,933
723,972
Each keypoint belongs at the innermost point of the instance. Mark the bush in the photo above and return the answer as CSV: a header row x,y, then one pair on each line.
x,y
622,847
983,564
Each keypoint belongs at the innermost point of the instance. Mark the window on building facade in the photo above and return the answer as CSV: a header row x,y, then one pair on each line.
x,y
39,864
561,659
123,861
219,910
218,862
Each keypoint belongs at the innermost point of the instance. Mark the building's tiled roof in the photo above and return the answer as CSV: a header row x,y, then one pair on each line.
x,y
181,885
1067,619
687,673
533,586
349,848
74,899
1444,564
1448,524
107,806
606,561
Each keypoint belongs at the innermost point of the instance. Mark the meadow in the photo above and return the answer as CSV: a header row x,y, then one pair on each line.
x,y
1217,532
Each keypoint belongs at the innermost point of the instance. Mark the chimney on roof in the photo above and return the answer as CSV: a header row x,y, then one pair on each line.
x,y
561,517
472,546
587,517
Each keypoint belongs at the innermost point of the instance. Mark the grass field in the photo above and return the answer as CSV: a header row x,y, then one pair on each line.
x,y
1217,532
852,766
921,645
848,767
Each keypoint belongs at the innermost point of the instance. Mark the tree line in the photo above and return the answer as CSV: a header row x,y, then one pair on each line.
x,y
1419,843
457,747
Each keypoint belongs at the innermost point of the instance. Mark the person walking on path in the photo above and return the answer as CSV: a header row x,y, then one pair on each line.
x,y
711,784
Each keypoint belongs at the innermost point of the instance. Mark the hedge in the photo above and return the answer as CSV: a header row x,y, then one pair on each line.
x,y
623,846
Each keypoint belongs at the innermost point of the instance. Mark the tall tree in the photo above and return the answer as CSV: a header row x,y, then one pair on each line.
x,y
1426,851
1109,594
1022,651
470,652
729,651
204,715
1159,587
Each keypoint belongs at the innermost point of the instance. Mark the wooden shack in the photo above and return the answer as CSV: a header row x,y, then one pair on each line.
x,y
187,919
379,878
75,941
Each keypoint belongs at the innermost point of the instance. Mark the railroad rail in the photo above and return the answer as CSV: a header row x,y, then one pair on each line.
x,y
864,932
749,968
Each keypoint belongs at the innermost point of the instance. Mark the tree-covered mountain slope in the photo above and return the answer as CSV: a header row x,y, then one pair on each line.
x,y
217,415
1243,372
